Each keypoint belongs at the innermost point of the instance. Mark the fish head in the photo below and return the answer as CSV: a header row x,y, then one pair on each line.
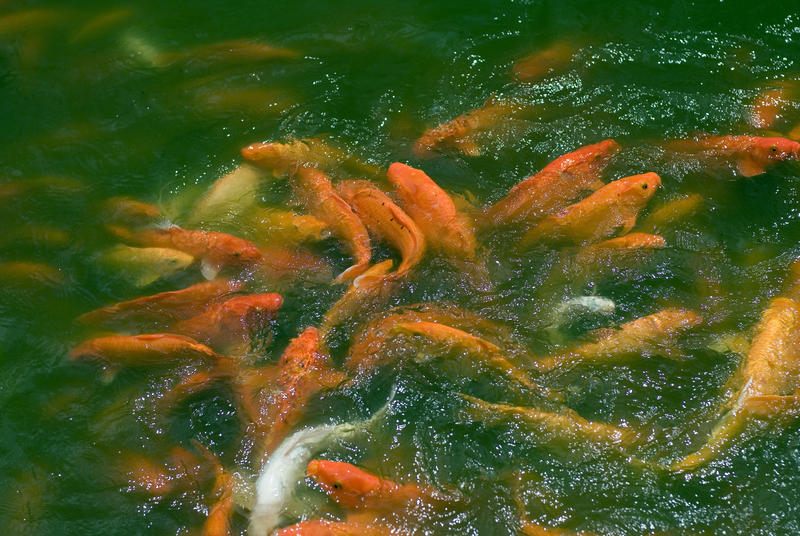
x,y
639,188
254,310
344,483
776,149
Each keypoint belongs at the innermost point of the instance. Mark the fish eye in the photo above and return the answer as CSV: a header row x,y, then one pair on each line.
x,y
644,186
773,148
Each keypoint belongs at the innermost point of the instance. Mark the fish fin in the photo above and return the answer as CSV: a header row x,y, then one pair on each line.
x,y
467,147
749,167
773,405
209,270
736,343
627,225
672,352
351,273
108,374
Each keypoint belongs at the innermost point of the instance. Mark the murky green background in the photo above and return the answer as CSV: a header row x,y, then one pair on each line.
x,y
372,77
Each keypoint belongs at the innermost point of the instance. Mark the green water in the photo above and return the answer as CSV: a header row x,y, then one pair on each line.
x,y
372,77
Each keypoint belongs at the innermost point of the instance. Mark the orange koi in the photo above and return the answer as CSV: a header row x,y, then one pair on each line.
x,y
559,183
459,133
611,209
283,158
218,522
433,211
27,274
315,190
233,321
303,370
644,336
238,50
769,106
353,488
671,212
613,254
216,250
752,155
386,220
540,64
481,349
163,307
129,212
369,348
769,382
565,427
182,471
153,349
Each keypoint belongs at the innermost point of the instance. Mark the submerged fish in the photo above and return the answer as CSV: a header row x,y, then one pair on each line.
x,y
541,63
671,212
229,197
610,210
752,155
769,382
641,337
286,465
283,158
459,133
559,183
162,308
144,265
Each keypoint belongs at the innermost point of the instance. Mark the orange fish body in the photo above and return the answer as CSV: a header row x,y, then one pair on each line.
x,y
303,370
232,321
353,488
151,349
386,220
163,307
129,212
769,379
433,211
540,64
554,187
458,133
769,107
671,212
642,336
283,158
752,155
612,255
611,209
315,190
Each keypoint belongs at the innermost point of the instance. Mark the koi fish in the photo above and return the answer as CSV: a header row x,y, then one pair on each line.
x,y
611,209
273,225
459,133
559,183
369,348
287,464
386,220
540,64
164,307
231,322
129,212
117,351
482,350
216,250
316,192
433,211
101,24
304,370
182,471
238,50
769,379
770,105
229,197
671,212
27,274
355,489
611,255
218,522
644,336
142,266
752,155
283,158
566,427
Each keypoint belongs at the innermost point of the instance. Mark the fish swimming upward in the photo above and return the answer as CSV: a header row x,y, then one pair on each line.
x,y
610,210
769,380
752,155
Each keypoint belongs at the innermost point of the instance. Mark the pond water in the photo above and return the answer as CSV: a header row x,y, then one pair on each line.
x,y
94,107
